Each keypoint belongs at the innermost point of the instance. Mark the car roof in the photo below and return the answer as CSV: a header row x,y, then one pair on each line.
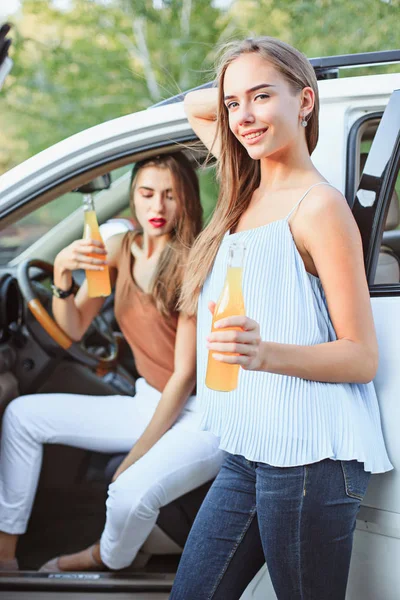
x,y
326,67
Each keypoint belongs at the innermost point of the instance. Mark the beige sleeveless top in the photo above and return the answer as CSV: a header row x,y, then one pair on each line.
x,y
150,335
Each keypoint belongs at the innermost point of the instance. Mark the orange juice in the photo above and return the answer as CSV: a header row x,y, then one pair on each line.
x,y
98,281
220,376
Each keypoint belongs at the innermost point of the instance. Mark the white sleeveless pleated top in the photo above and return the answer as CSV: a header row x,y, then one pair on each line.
x,y
276,419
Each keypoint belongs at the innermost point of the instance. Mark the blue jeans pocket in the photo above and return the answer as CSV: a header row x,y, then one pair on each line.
x,y
355,478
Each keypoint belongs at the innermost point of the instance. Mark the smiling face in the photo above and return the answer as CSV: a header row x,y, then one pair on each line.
x,y
154,201
263,109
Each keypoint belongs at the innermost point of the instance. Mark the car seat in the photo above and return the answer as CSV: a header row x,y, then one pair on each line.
x,y
388,267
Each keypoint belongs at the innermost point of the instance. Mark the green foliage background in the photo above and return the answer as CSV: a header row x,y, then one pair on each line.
x,y
100,60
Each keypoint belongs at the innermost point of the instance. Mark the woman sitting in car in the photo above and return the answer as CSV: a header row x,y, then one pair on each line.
x,y
167,455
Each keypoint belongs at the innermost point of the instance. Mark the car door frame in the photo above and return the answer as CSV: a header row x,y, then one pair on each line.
x,y
375,189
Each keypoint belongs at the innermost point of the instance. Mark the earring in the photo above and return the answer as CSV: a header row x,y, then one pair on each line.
x,y
303,122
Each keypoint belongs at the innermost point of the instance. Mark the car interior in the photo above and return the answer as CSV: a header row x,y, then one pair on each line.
x,y
69,511
388,265
69,506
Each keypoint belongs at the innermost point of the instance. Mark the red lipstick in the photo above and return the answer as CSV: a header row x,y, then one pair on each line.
x,y
157,222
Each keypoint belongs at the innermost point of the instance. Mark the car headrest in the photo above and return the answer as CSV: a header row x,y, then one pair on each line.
x,y
393,216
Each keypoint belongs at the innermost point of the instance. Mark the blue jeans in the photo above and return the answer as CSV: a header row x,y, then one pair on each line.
x,y
300,520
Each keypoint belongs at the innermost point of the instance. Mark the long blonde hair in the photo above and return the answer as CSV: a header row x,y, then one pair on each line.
x,y
167,279
238,174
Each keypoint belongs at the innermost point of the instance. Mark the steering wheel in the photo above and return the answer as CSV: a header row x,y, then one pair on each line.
x,y
76,350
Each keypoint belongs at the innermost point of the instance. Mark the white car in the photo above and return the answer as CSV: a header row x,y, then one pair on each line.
x,y
358,152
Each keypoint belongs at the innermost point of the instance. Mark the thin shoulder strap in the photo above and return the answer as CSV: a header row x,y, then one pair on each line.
x,y
304,195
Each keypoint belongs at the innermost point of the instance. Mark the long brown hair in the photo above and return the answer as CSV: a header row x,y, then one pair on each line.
x,y
238,174
167,280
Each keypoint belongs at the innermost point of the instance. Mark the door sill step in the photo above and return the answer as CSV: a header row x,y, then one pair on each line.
x,y
117,582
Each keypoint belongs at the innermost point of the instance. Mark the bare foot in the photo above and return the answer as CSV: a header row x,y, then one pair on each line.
x,y
86,560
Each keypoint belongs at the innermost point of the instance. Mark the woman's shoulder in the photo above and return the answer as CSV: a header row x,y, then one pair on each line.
x,y
323,203
325,214
116,245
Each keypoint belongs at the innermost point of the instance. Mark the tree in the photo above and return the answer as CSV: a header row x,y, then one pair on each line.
x,y
74,69
106,58
323,27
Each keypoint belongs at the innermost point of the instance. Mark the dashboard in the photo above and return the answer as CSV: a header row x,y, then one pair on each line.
x,y
31,360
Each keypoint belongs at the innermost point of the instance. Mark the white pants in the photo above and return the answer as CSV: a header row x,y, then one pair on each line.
x,y
183,459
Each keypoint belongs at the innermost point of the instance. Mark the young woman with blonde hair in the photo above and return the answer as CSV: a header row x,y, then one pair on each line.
x,y
166,454
302,429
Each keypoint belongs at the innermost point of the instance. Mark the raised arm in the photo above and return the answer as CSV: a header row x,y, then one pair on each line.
x,y
201,110
75,313
179,387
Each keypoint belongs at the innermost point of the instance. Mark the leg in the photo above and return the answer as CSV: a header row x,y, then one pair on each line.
x,y
307,516
223,551
179,462
8,546
104,423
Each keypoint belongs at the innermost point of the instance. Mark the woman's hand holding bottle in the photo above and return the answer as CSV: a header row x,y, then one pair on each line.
x,y
242,346
79,255
72,316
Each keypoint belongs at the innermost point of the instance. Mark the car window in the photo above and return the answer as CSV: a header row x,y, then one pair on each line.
x,y
20,235
388,266
24,232
365,146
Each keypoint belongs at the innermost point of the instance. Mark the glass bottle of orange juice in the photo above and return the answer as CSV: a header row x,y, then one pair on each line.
x,y
98,281
220,376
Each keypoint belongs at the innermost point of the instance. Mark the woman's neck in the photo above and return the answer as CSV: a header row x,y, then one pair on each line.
x,y
153,246
291,170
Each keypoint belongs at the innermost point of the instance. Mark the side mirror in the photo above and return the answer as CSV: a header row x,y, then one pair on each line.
x,y
102,182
